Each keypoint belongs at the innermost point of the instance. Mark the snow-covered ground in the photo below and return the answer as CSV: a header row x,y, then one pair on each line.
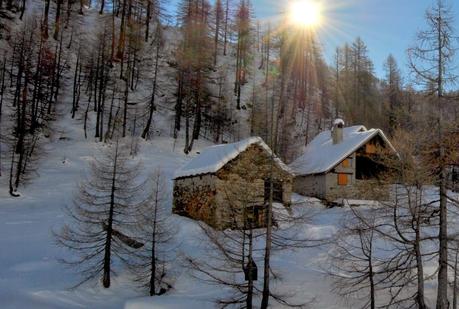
x,y
32,277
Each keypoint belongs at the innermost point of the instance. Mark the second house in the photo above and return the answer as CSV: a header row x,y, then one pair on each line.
x,y
339,162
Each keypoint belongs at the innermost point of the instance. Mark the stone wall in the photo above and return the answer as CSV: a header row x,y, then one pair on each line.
x,y
194,197
310,185
220,199
325,186
333,189
241,183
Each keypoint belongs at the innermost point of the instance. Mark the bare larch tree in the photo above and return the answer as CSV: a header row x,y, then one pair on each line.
x,y
102,213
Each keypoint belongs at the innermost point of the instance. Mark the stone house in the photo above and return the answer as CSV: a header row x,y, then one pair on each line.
x,y
227,186
451,149
453,176
452,159
337,161
451,144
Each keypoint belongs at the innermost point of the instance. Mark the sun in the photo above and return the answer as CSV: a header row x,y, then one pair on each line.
x,y
306,13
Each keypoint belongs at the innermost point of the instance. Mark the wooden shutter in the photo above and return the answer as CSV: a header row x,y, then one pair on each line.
x,y
342,179
370,148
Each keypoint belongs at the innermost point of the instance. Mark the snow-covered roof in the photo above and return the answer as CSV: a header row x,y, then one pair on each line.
x,y
213,158
321,155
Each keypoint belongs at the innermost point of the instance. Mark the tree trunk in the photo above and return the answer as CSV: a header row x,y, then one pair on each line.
x,y
102,108
122,39
10,183
109,232
456,262
197,118
36,88
85,123
152,106
97,95
76,85
126,97
250,287
217,31
442,289
23,7
21,126
372,286
67,20
2,89
102,6
178,105
147,21
153,243
57,23
112,55
187,127
110,116
267,267
420,299
45,20
225,36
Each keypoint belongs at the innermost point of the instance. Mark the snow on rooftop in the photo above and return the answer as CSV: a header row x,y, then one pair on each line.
x,y
213,158
321,155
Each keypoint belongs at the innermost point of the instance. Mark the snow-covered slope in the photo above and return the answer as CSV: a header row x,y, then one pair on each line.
x,y
32,277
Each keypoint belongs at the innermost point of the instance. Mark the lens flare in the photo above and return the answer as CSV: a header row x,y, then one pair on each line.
x,y
305,13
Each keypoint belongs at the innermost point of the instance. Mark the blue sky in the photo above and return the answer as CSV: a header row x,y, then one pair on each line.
x,y
386,26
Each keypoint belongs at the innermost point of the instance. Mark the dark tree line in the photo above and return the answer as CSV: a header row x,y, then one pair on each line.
x,y
31,81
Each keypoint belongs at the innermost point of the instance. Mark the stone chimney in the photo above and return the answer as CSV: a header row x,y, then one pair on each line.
x,y
337,131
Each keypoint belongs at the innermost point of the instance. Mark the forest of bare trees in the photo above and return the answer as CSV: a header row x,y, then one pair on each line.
x,y
191,74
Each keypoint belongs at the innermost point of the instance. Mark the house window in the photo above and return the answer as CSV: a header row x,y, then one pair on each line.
x,y
277,191
342,179
347,163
